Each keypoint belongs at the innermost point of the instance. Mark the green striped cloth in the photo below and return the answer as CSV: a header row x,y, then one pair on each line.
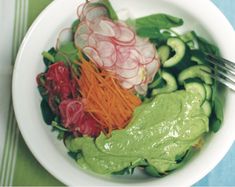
x,y
17,165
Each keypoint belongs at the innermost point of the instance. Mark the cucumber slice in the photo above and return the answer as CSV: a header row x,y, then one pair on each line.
x,y
164,53
190,44
206,106
191,39
189,36
196,87
197,60
208,91
171,84
179,47
196,71
157,82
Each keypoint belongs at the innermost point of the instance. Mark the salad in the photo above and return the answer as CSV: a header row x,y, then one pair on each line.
x,y
126,94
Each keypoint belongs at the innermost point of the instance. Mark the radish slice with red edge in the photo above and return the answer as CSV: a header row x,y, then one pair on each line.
x,y
95,13
71,112
105,48
76,120
93,55
81,36
92,42
64,36
129,58
80,10
152,69
139,78
87,6
126,84
126,73
104,27
141,89
124,36
147,50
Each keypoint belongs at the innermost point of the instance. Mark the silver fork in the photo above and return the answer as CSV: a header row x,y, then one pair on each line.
x,y
223,70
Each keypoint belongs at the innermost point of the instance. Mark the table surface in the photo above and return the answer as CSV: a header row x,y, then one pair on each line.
x,y
16,161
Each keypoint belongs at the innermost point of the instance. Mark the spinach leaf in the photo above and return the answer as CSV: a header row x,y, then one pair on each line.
x,y
59,57
75,25
149,32
75,155
58,126
130,170
125,171
205,46
218,107
67,53
107,4
49,56
215,124
47,114
159,21
68,48
160,39
216,117
43,92
151,170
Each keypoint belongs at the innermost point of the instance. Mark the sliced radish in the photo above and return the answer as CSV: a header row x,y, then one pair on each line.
x,y
81,36
124,36
140,78
105,48
123,52
83,29
141,89
136,80
107,52
128,65
128,58
81,41
87,7
104,27
76,120
147,50
127,73
115,47
95,13
108,63
71,111
92,42
126,84
64,36
80,10
93,55
152,69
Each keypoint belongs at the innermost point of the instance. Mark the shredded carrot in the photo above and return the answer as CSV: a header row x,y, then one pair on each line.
x,y
110,105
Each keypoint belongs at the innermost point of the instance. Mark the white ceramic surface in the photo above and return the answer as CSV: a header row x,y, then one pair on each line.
x,y
201,16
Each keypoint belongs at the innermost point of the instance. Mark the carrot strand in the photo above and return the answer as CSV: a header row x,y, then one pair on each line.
x,y
108,103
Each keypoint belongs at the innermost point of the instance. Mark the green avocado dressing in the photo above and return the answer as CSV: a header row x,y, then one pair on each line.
x,y
161,131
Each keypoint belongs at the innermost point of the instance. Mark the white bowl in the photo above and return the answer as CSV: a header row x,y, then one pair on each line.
x,y
201,16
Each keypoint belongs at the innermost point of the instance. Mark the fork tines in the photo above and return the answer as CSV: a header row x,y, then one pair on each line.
x,y
223,70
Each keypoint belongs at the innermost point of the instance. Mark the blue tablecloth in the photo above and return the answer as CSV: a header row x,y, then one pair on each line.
x,y
224,173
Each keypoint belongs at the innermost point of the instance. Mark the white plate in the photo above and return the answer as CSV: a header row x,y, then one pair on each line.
x,y
201,16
